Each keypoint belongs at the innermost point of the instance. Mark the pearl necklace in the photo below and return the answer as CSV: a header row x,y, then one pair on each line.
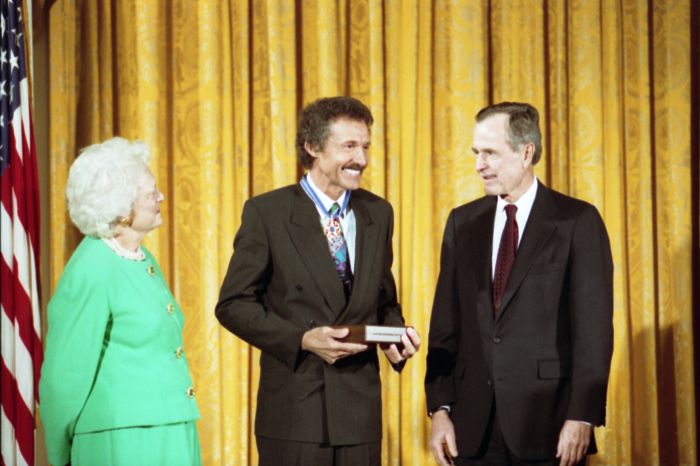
x,y
119,250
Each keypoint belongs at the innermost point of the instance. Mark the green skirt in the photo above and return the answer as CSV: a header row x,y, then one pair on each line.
x,y
166,445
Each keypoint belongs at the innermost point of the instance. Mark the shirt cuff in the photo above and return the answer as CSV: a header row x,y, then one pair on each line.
x,y
443,407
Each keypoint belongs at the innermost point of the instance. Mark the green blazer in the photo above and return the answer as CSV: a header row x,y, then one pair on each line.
x,y
114,354
281,283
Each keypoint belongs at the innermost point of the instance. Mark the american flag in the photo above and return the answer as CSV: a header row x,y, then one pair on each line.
x,y
20,326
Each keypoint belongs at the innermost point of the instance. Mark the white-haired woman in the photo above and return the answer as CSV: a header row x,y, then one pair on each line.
x,y
115,386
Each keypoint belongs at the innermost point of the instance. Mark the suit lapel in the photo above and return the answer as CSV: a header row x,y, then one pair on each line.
x,y
538,229
307,235
365,248
482,240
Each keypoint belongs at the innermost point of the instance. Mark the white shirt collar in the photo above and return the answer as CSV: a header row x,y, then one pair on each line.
x,y
324,198
524,204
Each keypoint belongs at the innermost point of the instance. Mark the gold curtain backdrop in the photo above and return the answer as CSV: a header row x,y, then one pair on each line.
x,y
215,87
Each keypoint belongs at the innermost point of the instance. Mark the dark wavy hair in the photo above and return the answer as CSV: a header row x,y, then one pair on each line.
x,y
316,118
523,124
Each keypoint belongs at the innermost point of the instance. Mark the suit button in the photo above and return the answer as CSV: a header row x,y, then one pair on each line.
x,y
190,392
312,323
179,352
171,308
151,270
489,383
299,288
496,340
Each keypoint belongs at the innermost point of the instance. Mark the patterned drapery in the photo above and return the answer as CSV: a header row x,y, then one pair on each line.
x,y
215,87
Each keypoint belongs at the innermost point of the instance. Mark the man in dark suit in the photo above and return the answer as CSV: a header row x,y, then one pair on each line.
x,y
521,330
307,258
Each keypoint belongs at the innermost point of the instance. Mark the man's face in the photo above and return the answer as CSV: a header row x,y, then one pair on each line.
x,y
505,172
339,165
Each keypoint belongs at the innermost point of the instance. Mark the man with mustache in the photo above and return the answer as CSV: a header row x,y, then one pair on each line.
x,y
308,259
521,329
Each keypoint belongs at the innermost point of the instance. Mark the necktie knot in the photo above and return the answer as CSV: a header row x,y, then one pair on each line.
x,y
511,209
333,211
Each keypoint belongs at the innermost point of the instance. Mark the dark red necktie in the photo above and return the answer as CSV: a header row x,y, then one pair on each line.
x,y
506,257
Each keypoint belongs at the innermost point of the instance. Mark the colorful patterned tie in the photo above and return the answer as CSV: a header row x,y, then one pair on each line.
x,y
338,248
505,258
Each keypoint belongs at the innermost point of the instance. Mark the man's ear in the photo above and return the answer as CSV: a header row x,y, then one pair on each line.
x,y
313,151
528,153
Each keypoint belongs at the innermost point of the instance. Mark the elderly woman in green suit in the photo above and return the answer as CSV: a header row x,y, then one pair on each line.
x,y
115,385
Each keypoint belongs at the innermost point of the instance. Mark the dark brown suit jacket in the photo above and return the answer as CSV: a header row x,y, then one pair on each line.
x,y
546,358
281,283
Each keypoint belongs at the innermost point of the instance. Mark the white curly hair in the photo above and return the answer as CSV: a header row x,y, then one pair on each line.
x,y
103,183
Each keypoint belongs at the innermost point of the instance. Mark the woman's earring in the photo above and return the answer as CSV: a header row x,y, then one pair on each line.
x,y
125,221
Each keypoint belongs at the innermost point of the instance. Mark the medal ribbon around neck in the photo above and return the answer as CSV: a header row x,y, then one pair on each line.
x,y
314,197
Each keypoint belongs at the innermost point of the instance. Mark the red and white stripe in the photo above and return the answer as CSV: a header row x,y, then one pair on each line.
x,y
20,321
